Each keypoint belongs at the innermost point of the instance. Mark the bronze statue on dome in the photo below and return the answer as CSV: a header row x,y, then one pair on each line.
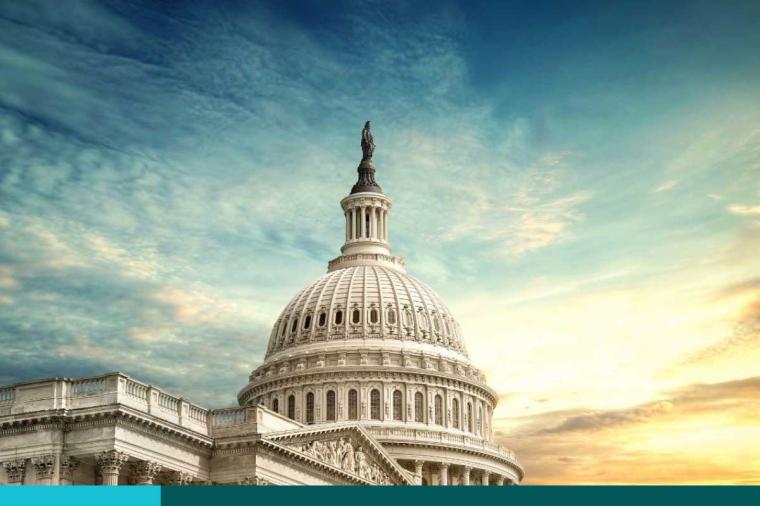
x,y
368,143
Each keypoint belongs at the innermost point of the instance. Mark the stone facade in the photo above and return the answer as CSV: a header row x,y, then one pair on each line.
x,y
366,381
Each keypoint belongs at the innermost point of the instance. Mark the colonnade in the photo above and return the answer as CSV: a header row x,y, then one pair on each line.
x,y
367,222
444,473
110,467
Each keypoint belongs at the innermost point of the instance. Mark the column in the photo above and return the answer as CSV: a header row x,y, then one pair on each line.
x,y
500,480
180,478
485,478
385,225
45,466
348,227
15,470
144,471
443,469
418,471
110,463
466,475
69,465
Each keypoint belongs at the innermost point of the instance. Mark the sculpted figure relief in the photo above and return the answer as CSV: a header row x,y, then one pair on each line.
x,y
341,454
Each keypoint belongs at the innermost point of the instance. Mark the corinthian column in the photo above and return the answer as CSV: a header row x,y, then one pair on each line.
x,y
14,469
109,463
418,471
45,466
466,475
69,465
444,473
143,472
180,478
485,478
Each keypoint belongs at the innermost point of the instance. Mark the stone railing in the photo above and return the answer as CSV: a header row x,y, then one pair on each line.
x,y
228,416
107,390
438,436
7,395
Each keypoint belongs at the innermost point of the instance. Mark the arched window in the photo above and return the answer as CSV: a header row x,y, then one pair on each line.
x,y
398,406
356,316
330,405
307,322
322,319
419,407
469,417
424,320
339,317
391,316
292,407
374,404
276,405
310,407
438,410
455,412
283,327
374,315
408,318
366,225
295,325
353,405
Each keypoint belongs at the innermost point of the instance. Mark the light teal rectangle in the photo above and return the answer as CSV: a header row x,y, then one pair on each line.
x,y
80,495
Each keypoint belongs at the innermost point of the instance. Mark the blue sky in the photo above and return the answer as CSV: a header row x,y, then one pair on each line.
x,y
578,180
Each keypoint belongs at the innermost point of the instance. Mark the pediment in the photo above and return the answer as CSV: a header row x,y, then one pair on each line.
x,y
345,447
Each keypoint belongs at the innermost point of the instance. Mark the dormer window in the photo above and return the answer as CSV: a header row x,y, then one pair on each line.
x,y
322,319
356,316
374,316
307,322
295,325
339,317
391,316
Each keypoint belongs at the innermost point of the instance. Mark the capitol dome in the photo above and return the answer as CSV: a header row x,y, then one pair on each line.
x,y
366,302
369,344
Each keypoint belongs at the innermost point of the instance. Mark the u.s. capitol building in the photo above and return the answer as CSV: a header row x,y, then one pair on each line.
x,y
366,381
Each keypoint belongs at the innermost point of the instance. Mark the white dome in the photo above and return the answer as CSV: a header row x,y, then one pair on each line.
x,y
366,302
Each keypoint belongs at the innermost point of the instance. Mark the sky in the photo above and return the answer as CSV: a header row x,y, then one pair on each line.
x,y
580,181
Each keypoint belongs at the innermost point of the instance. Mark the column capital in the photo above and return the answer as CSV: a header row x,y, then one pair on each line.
x,y
444,465
144,471
44,465
69,465
180,478
14,469
111,461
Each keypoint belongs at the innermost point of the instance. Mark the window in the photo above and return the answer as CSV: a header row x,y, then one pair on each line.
x,y
276,405
374,404
419,407
353,405
322,319
283,326
424,320
374,315
330,405
356,316
469,417
480,420
455,412
307,322
391,316
398,406
310,407
408,318
438,410
339,317
294,326
292,407
436,324
366,225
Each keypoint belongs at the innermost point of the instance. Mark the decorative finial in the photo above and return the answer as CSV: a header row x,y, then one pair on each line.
x,y
368,143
